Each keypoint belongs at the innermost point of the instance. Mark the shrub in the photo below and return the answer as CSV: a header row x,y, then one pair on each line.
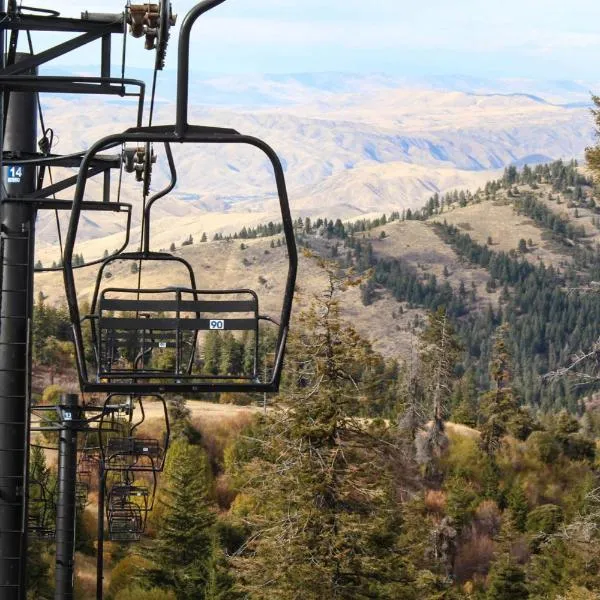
x,y
545,519
435,501
578,447
85,532
474,556
543,446
465,458
51,395
488,518
140,593
124,573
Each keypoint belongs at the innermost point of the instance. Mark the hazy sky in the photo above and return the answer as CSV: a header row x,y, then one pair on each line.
x,y
512,38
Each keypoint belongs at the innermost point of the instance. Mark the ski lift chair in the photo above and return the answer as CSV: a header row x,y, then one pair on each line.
x,y
130,325
132,452
125,523
115,422
87,466
126,510
81,494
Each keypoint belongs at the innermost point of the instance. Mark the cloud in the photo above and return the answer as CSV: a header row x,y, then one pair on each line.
x,y
348,34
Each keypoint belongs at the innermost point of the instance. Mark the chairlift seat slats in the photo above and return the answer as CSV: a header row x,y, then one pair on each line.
x,y
134,323
133,447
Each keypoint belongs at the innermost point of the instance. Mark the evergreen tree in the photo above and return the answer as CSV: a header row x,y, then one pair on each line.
x,y
324,520
465,401
439,355
38,568
592,154
519,507
499,405
181,551
507,582
212,352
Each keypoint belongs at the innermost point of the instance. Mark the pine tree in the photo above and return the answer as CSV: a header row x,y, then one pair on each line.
x,y
592,154
324,520
499,405
181,552
465,401
38,568
507,581
439,355
518,506
212,352
221,582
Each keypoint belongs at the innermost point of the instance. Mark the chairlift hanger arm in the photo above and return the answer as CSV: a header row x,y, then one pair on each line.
x,y
56,160
183,62
77,85
109,23
25,65
67,183
159,195
57,83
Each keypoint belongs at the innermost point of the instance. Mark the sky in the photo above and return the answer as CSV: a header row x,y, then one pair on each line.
x,y
544,39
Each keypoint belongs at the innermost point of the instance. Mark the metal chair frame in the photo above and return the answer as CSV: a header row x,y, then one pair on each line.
x,y
131,453
184,133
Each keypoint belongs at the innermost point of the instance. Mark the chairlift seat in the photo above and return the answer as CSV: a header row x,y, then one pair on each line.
x,y
134,454
41,508
132,325
127,507
125,523
81,494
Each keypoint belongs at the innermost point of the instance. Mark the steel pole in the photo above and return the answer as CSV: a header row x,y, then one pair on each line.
x,y
100,548
66,506
16,309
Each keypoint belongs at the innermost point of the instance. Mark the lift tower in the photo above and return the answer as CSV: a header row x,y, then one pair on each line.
x,y
16,309
23,193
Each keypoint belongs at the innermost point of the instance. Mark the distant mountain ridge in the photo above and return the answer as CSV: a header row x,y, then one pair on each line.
x,y
350,144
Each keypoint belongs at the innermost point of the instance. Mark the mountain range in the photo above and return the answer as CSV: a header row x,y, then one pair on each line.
x,y
351,146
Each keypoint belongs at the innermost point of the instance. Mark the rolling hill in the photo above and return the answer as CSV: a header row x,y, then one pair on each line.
x,y
357,147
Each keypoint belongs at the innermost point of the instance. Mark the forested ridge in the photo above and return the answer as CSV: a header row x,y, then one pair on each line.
x,y
458,472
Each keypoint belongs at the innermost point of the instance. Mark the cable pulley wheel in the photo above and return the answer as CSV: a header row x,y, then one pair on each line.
x,y
152,21
166,20
149,159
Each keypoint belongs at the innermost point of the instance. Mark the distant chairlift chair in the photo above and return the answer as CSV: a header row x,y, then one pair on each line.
x,y
126,511
42,507
131,452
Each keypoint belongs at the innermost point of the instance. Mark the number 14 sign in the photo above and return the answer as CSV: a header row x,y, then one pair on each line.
x,y
14,174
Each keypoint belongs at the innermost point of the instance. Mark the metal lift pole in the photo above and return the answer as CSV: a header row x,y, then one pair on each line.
x,y
100,549
66,506
16,309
